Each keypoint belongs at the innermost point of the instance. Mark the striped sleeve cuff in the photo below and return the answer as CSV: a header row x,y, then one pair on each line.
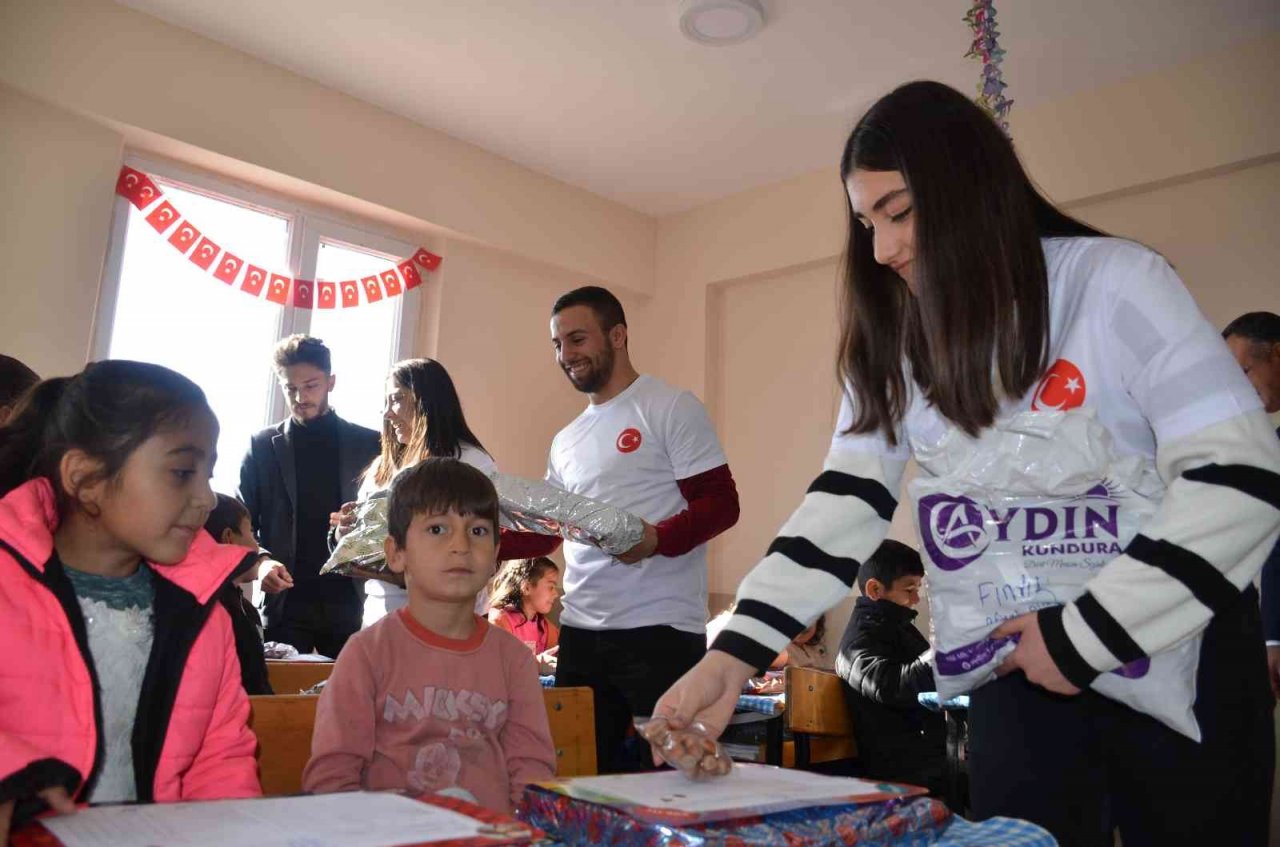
x,y
814,561
1205,544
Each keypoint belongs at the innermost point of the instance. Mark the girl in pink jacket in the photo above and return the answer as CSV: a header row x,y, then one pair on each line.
x,y
120,680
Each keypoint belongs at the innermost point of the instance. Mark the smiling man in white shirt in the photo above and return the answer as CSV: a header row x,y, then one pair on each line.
x,y
634,623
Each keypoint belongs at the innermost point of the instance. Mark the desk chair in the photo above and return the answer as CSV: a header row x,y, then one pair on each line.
x,y
296,677
572,715
283,724
818,717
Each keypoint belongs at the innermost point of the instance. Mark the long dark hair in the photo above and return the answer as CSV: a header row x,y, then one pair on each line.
x,y
107,410
439,427
983,297
507,588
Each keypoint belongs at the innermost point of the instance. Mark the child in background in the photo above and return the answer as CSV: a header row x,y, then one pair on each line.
x,y
229,523
431,697
885,662
15,379
123,683
523,593
807,650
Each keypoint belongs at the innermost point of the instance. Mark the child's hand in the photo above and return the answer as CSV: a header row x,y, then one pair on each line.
x,y
276,579
1031,656
343,520
548,659
57,799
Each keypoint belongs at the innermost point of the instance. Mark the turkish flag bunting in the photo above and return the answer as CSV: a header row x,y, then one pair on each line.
x,y
162,217
391,282
136,187
350,294
278,291
254,279
427,259
184,235
303,292
412,279
228,267
371,291
326,294
204,254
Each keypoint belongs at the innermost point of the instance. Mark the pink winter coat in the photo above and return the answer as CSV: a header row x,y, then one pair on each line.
x,y
191,741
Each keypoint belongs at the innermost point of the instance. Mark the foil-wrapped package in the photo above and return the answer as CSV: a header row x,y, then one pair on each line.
x,y
524,505
360,553
529,505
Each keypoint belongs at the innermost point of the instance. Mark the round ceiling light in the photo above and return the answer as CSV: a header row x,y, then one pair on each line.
x,y
720,22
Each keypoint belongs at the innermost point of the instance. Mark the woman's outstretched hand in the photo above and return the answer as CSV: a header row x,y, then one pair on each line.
x,y
706,694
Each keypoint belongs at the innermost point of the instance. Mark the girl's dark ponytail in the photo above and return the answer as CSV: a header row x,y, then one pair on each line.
x,y
22,438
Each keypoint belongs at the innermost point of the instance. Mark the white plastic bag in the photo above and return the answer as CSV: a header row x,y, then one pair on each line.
x,y
1020,519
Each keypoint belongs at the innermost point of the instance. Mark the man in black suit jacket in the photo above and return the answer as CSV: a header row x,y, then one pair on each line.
x,y
293,477
1254,338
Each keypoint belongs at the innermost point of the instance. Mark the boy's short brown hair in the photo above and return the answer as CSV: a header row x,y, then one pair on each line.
x,y
436,486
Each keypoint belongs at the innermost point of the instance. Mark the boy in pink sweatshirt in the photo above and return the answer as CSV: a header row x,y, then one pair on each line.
x,y
432,697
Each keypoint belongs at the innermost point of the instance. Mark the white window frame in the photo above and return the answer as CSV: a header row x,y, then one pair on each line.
x,y
308,227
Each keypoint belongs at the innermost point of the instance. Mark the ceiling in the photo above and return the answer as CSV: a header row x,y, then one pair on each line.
x,y
607,95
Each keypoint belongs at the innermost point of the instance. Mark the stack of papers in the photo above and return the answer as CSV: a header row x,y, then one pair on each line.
x,y
356,819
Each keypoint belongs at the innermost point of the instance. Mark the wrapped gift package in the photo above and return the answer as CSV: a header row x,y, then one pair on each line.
x,y
582,811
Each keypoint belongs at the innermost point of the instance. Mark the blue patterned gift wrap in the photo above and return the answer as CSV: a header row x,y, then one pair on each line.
x,y
897,821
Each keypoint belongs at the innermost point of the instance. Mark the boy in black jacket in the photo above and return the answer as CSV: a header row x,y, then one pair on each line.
x,y
884,661
228,523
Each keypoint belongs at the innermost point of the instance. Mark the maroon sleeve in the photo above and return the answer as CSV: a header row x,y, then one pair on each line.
x,y
713,508
525,545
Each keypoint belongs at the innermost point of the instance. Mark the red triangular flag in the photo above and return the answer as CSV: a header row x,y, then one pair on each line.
x,y
278,291
162,217
427,259
136,187
412,279
372,292
184,235
326,295
228,267
302,293
391,282
254,279
204,254
350,294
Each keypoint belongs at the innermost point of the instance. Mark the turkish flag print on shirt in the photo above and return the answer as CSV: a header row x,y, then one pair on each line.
x,y
1061,388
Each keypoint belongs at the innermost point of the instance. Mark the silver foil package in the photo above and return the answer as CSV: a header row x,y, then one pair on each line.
x,y
524,505
529,505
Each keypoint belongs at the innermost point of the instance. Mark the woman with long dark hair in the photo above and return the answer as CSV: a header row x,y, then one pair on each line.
x,y
423,418
968,298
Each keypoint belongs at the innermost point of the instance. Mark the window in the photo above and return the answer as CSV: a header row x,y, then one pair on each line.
x,y
157,306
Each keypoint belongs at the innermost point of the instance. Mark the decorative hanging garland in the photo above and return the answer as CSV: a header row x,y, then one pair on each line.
x,y
204,253
991,85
